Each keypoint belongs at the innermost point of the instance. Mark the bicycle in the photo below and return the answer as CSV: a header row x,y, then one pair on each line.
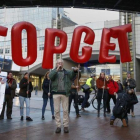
x,y
93,101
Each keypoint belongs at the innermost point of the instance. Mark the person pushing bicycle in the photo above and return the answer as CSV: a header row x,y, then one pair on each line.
x,y
91,83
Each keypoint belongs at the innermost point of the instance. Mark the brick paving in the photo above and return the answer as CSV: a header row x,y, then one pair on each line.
x,y
88,127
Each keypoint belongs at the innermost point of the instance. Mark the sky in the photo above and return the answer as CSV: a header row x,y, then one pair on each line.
x,y
82,16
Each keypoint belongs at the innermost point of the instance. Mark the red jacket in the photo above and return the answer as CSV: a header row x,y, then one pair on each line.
x,y
113,87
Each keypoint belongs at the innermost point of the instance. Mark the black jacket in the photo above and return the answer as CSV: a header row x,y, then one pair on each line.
x,y
120,88
132,83
45,88
13,88
23,88
123,104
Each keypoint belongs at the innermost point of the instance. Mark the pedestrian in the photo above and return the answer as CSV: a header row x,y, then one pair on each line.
x,y
113,88
123,104
74,94
101,84
9,96
36,89
47,94
24,96
129,82
91,83
120,86
61,86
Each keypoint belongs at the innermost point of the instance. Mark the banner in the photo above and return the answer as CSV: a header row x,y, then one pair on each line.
x,y
7,63
15,67
3,76
106,71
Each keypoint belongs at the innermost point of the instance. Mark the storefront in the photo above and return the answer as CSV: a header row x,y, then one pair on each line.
x,y
108,69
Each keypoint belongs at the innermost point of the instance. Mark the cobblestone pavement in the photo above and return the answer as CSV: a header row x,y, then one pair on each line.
x,y
88,127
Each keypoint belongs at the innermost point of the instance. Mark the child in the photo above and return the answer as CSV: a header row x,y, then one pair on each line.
x,y
123,105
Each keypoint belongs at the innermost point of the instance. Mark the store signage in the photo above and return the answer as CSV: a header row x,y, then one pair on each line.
x,y
119,32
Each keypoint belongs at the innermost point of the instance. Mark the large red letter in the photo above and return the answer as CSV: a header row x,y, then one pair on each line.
x,y
86,50
120,32
105,47
50,48
16,38
3,31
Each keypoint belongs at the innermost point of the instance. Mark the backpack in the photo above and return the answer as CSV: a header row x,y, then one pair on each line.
x,y
121,105
80,99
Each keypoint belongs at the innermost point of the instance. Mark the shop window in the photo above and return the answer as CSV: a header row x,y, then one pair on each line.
x,y
7,50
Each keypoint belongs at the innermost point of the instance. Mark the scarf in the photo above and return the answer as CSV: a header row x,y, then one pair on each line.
x,y
9,80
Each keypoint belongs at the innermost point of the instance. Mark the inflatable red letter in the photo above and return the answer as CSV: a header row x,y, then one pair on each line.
x,y
16,39
86,50
50,48
3,31
120,32
105,47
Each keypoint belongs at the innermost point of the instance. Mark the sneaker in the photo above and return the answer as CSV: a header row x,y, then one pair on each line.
x,y
29,119
82,109
78,115
43,118
66,130
132,114
111,122
124,123
53,117
58,130
21,118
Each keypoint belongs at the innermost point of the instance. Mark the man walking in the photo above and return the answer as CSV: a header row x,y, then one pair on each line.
x,y
130,83
61,86
9,95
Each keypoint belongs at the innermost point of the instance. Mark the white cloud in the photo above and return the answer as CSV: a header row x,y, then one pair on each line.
x,y
82,16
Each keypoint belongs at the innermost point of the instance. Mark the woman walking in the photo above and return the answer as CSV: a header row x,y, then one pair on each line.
x,y
47,94
101,84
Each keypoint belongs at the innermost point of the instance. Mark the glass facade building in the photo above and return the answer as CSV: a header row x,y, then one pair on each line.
x,y
41,18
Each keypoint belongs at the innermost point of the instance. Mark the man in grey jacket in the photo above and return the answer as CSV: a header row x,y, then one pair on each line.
x,y
130,83
9,95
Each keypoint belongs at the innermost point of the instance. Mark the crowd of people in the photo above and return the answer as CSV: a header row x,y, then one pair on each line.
x,y
61,86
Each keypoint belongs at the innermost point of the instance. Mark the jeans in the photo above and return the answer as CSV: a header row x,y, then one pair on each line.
x,y
36,92
99,98
75,98
27,102
45,100
85,99
108,101
125,117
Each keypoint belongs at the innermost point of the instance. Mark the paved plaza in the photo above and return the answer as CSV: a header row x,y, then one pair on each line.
x,y
88,127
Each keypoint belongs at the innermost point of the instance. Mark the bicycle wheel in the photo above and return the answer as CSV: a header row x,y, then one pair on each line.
x,y
95,104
